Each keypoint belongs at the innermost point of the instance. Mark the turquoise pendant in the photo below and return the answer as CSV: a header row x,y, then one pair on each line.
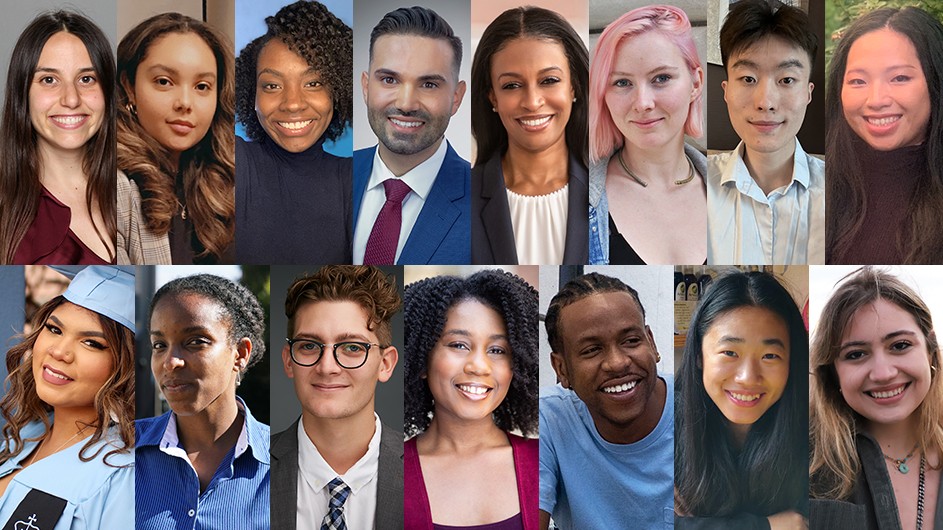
x,y
902,467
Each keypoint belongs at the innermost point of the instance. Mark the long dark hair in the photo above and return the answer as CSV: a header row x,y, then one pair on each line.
x,y
20,165
919,240
539,23
207,168
770,472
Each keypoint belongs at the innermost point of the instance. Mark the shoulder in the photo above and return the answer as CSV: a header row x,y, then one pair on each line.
x,y
558,404
698,158
150,430
361,155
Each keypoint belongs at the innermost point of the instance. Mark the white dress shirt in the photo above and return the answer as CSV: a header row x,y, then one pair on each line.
x,y
748,227
539,223
419,179
314,473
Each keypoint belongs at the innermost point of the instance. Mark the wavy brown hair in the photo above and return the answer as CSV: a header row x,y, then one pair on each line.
x,y
20,164
834,465
114,402
207,169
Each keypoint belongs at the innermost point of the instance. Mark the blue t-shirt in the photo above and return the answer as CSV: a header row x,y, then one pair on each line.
x,y
587,482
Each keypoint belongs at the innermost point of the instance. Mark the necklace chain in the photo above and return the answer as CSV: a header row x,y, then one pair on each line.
x,y
32,457
644,184
920,491
902,462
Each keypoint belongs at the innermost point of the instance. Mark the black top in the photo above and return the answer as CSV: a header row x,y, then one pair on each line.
x,y
620,251
292,208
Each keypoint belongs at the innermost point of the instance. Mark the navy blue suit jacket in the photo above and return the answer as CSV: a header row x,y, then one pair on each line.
x,y
442,233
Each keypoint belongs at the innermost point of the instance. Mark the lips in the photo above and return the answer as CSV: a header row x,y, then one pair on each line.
x,y
647,124
887,392
295,125
329,387
55,377
175,386
765,125
406,123
69,121
535,123
744,398
181,127
619,387
474,391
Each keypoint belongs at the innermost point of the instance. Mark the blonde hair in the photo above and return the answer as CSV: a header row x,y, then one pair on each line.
x,y
834,463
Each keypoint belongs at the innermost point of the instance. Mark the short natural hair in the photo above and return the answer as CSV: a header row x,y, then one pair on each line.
x,y
834,463
750,21
673,24
574,291
364,285
420,22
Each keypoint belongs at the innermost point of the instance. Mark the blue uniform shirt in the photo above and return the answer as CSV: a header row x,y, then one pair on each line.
x,y
97,495
168,488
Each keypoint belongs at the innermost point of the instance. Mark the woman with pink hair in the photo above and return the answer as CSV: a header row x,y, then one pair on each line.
x,y
645,86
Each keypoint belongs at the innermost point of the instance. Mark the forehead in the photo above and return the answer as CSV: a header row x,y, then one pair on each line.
x,y
72,313
749,323
412,55
645,51
882,48
876,319
331,317
275,53
64,47
529,54
600,314
180,51
472,313
771,54
188,309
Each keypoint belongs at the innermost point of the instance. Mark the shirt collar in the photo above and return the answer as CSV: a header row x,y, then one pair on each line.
x,y
419,179
318,473
737,173
252,436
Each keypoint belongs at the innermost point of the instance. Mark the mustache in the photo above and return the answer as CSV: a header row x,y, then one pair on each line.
x,y
400,113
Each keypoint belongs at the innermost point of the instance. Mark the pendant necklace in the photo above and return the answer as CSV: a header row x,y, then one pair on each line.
x,y
902,462
644,184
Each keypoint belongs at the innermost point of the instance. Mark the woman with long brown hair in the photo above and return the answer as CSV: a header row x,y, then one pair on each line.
x,y
176,99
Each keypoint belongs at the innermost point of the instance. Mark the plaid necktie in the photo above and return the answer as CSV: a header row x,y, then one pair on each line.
x,y
384,238
334,520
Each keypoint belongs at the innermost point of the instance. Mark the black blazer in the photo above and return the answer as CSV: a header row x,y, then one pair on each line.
x,y
284,451
492,232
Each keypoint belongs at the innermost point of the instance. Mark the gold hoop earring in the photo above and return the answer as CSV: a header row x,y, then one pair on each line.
x,y
131,108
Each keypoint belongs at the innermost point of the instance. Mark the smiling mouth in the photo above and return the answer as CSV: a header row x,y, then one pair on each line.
x,y
294,125
474,389
69,121
745,397
535,122
406,124
882,122
57,375
885,394
618,389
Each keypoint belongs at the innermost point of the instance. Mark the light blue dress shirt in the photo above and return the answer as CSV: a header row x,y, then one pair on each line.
x,y
168,488
748,227
97,495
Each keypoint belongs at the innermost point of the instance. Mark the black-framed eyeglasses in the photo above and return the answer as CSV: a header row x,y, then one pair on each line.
x,y
348,354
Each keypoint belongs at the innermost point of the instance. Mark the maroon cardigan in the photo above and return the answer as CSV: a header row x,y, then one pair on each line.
x,y
417,514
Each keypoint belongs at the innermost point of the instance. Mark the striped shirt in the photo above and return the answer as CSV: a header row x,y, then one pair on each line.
x,y
168,495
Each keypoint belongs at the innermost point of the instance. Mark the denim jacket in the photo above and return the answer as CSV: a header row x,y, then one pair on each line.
x,y
599,204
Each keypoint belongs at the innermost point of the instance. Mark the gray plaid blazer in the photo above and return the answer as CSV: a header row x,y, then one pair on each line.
x,y
136,244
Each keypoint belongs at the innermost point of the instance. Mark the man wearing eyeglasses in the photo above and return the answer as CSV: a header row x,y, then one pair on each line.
x,y
338,467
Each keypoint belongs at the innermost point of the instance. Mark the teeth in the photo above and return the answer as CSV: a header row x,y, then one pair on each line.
x,y
294,125
473,389
883,121
69,120
625,387
407,124
745,397
537,122
889,393
50,372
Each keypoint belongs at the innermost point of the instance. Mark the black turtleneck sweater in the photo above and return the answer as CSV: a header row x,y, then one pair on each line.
x,y
890,179
292,208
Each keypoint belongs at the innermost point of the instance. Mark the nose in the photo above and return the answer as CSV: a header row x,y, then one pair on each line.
x,y
184,100
406,98
292,99
878,95
883,368
748,372
328,364
615,361
533,99
478,363
173,360
70,96
61,351
764,95
643,98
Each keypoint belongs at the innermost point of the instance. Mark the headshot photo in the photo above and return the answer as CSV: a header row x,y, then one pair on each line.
x,y
646,123
293,101
885,137
175,136
57,187
766,181
411,173
205,426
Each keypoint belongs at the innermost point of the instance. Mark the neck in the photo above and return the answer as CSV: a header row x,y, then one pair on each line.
x,y
535,167
61,168
399,165
770,170
663,165
71,423
739,433
210,425
896,439
342,442
457,436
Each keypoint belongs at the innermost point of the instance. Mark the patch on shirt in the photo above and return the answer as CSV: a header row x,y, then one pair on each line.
x,y
37,511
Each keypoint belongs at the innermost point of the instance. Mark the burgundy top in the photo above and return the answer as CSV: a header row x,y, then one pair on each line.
x,y
49,241
512,523
418,515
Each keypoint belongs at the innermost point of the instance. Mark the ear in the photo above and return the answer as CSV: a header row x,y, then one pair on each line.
x,y
723,85
388,360
492,99
126,85
458,96
364,84
811,87
651,340
698,79
243,353
559,366
286,362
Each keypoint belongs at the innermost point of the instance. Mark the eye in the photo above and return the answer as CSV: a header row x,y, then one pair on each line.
x,y
204,86
510,86
621,83
853,355
631,342
497,350
53,329
771,356
47,80
430,85
352,348
901,79
591,351
94,344
788,80
158,345
314,84
748,80
900,346
458,346
163,82
550,81
309,346
854,82
198,342
729,353
661,79
87,80
388,80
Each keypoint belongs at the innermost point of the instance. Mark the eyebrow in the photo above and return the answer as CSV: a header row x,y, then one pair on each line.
x,y
83,333
57,71
664,68
466,333
889,336
277,73
541,71
784,65
888,69
343,337
173,71
766,342
190,329
624,331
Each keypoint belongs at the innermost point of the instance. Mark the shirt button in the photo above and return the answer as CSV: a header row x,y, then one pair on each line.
x,y
190,513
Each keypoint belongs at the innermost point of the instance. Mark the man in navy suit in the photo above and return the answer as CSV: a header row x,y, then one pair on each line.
x,y
411,191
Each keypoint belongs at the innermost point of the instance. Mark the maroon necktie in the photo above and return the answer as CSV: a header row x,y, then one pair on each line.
x,y
381,247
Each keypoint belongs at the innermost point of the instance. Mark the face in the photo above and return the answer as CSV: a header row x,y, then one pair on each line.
x,y
767,90
532,92
470,368
608,359
175,90
411,92
292,103
884,93
72,359
327,390
193,359
650,90
745,354
66,102
883,364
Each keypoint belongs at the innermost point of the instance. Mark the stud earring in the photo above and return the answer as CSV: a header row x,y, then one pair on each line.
x,y
494,109
574,100
131,108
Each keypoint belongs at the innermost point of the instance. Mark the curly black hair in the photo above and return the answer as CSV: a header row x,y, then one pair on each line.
x,y
427,303
240,306
323,40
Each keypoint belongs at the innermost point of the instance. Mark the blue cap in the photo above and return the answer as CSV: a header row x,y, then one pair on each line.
x,y
105,289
